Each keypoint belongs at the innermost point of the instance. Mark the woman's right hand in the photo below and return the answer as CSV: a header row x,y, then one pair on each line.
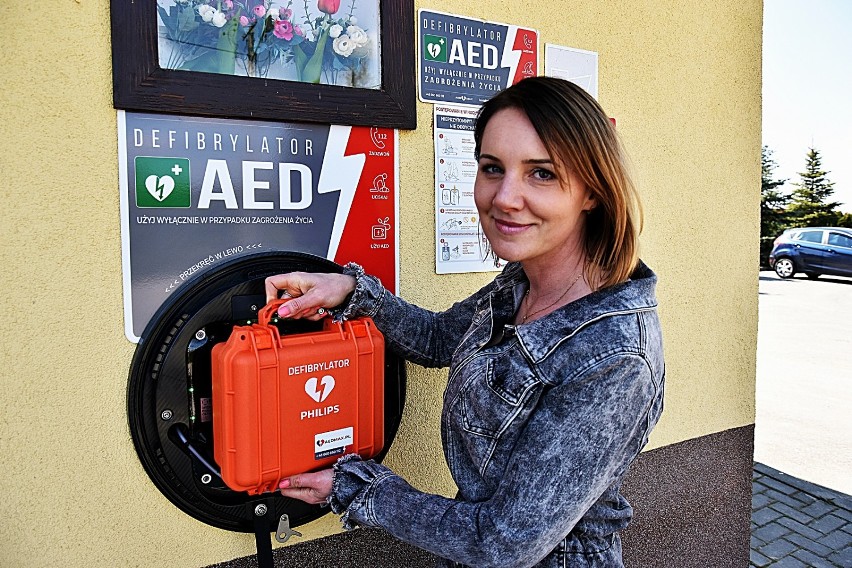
x,y
311,294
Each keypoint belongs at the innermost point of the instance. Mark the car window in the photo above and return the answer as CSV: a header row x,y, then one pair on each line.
x,y
811,236
840,240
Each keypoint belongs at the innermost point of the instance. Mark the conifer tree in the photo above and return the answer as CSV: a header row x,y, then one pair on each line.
x,y
810,205
773,215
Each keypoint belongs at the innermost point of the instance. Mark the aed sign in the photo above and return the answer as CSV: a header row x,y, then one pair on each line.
x,y
196,192
466,61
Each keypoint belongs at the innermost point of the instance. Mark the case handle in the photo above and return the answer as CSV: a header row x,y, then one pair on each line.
x,y
264,314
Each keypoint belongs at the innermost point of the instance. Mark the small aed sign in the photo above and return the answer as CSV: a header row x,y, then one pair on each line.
x,y
466,61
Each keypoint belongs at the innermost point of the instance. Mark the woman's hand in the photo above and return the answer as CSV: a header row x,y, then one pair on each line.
x,y
312,488
311,294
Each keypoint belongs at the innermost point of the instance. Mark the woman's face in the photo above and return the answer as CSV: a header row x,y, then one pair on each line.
x,y
528,212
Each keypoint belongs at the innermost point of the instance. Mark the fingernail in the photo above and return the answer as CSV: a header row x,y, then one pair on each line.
x,y
285,483
284,311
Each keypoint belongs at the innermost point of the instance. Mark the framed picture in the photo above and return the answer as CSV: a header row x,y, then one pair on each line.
x,y
326,61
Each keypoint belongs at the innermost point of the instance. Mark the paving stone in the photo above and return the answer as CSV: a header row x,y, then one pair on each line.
x,y
808,544
797,524
799,528
819,508
778,486
789,562
759,560
812,560
782,498
804,497
844,514
763,516
842,501
843,557
837,540
770,532
792,512
759,500
827,524
778,549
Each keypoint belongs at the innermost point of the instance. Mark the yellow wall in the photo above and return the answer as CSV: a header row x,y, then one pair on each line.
x,y
683,81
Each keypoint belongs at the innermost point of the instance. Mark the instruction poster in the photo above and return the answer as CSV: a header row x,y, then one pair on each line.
x,y
197,192
460,243
467,61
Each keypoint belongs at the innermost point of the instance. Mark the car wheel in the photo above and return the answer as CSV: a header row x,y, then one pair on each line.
x,y
812,275
785,268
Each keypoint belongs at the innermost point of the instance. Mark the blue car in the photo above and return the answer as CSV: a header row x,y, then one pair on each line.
x,y
814,251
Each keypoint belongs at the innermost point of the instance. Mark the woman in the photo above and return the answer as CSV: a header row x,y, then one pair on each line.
x,y
556,367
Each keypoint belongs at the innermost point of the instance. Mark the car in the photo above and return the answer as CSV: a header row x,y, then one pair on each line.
x,y
814,251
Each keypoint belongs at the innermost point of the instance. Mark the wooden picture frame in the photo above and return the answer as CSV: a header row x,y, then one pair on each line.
x,y
140,84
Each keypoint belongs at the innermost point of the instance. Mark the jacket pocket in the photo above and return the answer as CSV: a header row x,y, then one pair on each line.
x,y
492,400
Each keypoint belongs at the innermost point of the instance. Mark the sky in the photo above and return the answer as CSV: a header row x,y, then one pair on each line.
x,y
807,89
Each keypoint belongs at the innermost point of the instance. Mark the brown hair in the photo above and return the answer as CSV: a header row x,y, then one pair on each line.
x,y
579,136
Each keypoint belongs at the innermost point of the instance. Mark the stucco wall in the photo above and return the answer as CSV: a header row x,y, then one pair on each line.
x,y
683,81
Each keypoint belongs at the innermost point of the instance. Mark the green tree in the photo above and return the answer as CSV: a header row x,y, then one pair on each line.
x,y
810,205
773,213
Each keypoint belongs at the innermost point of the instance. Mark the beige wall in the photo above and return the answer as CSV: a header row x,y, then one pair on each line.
x,y
682,79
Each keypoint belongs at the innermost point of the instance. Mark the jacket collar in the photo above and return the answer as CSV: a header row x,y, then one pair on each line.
x,y
540,337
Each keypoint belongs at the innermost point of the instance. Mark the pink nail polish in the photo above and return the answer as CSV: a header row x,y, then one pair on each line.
x,y
285,483
283,311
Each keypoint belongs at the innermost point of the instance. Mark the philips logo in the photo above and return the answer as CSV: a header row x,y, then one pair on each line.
x,y
319,412
315,392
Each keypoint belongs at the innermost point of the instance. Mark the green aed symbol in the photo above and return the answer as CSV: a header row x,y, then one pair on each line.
x,y
436,48
162,182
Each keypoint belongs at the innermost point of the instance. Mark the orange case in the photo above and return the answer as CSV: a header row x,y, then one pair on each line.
x,y
287,405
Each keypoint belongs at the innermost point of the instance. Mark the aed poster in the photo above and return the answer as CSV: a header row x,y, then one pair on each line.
x,y
460,244
197,192
467,61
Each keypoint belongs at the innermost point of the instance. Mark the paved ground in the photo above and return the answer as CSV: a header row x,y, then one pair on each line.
x,y
803,401
797,524
804,379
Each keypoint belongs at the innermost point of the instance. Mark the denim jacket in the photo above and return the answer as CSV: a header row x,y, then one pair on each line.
x,y
540,422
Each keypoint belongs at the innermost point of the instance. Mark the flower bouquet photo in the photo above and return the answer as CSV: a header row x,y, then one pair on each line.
x,y
314,42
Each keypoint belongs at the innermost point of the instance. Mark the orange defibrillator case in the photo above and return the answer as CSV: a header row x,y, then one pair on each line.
x,y
292,404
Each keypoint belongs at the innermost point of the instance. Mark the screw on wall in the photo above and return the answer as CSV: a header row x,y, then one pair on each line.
x,y
260,510
166,414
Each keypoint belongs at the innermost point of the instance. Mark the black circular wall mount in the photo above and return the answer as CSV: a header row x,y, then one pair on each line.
x,y
169,391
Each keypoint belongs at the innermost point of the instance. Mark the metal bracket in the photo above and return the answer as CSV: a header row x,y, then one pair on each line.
x,y
284,531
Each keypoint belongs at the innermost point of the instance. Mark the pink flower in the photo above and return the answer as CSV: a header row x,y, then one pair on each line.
x,y
283,30
285,13
260,10
244,21
328,6
228,4
298,31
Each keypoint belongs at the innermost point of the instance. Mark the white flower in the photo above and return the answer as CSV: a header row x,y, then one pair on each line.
x,y
353,20
357,35
343,46
335,30
274,13
219,19
206,12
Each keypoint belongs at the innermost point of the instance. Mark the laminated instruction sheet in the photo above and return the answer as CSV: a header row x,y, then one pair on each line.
x,y
460,243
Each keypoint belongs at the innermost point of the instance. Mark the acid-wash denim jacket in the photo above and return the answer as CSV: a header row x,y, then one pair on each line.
x,y
540,422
